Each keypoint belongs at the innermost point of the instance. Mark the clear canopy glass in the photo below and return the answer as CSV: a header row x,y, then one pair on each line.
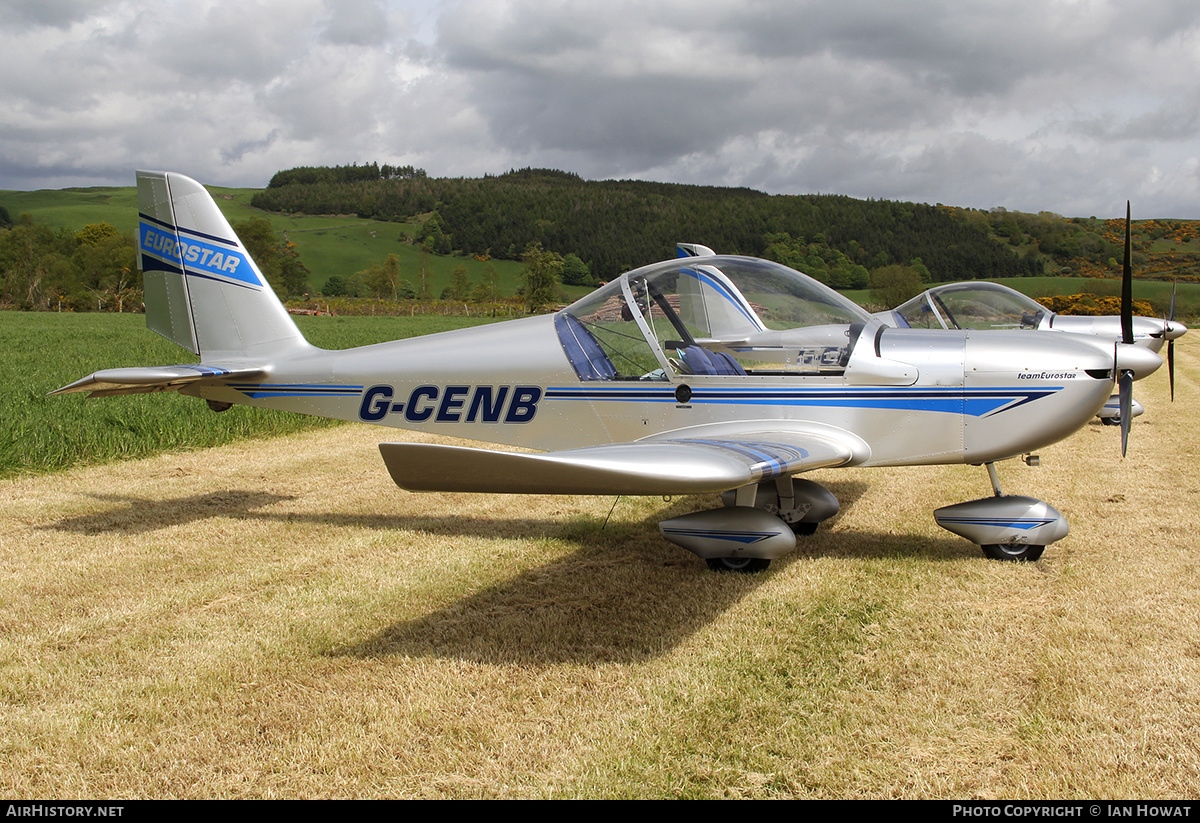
x,y
712,315
975,305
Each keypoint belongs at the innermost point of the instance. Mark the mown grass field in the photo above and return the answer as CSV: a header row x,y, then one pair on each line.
x,y
272,618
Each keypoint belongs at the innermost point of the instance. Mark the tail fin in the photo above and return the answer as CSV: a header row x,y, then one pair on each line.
x,y
708,300
202,289
693,250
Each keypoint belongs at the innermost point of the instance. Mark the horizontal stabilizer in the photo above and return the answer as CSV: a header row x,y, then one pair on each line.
x,y
109,382
643,467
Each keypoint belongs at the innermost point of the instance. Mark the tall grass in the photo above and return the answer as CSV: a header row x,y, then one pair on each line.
x,y
46,351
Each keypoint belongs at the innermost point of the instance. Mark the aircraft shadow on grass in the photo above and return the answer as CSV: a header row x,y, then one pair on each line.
x,y
592,606
137,515
625,604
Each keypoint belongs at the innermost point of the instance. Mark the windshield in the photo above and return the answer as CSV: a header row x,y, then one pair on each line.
x,y
972,306
711,315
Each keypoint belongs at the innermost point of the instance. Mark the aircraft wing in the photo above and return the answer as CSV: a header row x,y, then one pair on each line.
x,y
109,382
680,465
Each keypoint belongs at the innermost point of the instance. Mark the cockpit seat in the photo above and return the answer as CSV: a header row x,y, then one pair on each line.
x,y
587,358
700,360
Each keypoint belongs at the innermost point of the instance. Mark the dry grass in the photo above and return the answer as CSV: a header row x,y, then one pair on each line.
x,y
275,619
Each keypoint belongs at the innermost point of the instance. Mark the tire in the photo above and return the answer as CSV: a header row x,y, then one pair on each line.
x,y
804,529
1012,551
741,565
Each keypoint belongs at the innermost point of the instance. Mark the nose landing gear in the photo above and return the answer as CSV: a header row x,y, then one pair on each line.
x,y
1006,527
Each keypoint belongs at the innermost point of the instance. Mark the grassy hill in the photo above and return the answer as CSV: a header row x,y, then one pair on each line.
x,y
329,244
76,208
343,244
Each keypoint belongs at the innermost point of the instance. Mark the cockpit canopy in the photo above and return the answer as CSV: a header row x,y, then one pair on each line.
x,y
711,315
974,305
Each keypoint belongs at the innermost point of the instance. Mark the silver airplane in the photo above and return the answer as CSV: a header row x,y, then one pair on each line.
x,y
983,305
978,304
727,375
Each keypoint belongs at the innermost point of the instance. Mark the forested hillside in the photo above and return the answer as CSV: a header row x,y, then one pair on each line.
x,y
613,225
472,239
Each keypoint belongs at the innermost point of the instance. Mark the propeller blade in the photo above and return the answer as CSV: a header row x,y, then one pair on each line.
x,y
1171,366
1171,341
1127,283
1126,399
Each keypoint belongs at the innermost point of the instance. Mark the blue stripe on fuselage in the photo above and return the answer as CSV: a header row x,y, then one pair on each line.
x,y
971,402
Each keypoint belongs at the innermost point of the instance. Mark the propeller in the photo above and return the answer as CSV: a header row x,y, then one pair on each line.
x,y
1125,381
1169,332
1171,341
1127,284
1126,400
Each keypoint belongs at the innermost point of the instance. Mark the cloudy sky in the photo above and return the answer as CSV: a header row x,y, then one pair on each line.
x,y
1071,106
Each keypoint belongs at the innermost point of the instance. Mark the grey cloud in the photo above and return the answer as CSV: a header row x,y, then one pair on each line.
x,y
356,24
1031,104
58,14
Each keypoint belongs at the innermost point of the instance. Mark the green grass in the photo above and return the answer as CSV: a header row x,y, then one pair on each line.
x,y
1157,292
76,208
47,351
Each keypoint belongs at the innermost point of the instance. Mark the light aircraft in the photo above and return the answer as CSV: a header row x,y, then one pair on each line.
x,y
982,305
727,375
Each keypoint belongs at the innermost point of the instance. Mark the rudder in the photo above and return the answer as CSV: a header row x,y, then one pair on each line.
x,y
202,289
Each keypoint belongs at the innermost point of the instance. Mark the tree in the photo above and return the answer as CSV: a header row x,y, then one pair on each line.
x,y
460,285
293,273
105,265
382,279
425,290
922,271
892,285
488,290
94,233
278,261
35,263
335,286
542,273
575,272
433,237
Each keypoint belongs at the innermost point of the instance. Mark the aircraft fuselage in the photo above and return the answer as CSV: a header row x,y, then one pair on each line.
x,y
956,410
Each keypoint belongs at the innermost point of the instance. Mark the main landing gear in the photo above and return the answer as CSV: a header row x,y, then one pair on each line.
x,y
758,524
744,565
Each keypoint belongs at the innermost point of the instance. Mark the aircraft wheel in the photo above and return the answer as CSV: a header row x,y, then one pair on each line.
x,y
805,529
743,565
1111,421
1010,551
